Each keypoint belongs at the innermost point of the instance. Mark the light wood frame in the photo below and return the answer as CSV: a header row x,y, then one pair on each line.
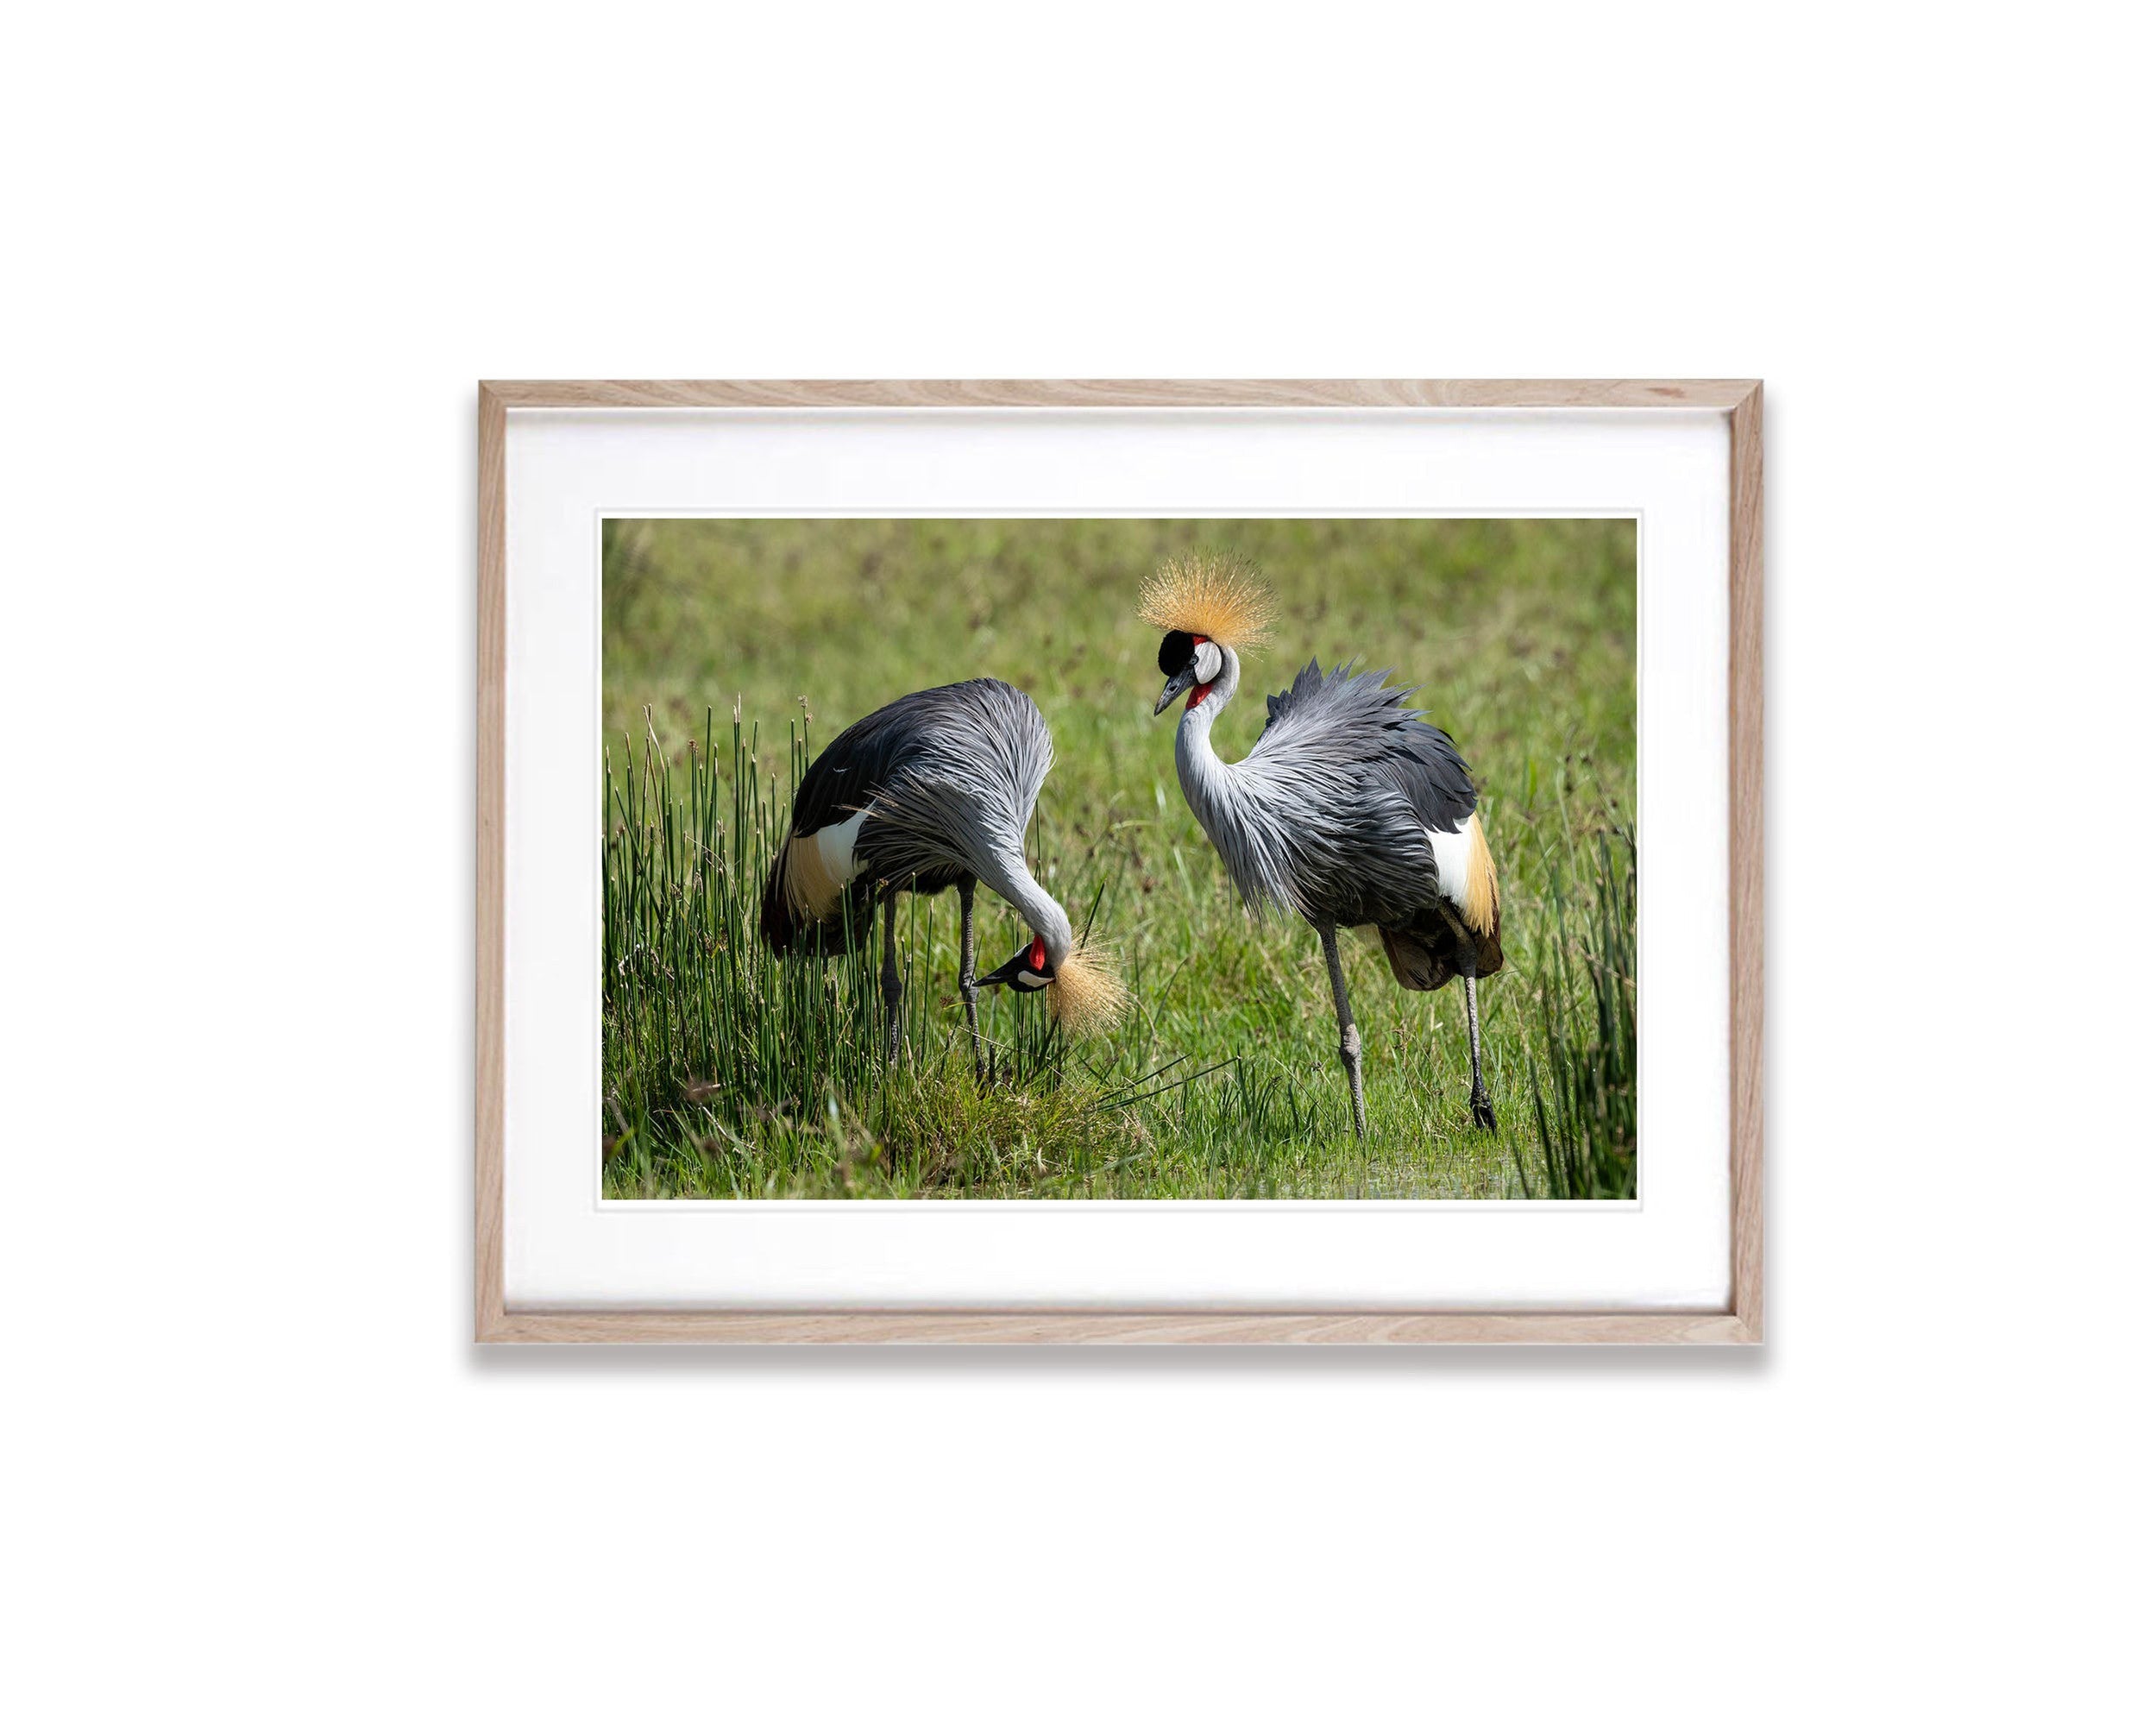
x,y
1739,399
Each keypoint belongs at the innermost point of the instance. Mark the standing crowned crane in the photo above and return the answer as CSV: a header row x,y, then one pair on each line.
x,y
931,792
1348,810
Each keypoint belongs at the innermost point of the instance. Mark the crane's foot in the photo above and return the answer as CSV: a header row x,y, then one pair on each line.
x,y
1485,1114
1351,1058
972,996
893,979
893,1014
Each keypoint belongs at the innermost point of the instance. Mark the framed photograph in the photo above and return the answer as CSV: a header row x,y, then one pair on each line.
x,y
1102,861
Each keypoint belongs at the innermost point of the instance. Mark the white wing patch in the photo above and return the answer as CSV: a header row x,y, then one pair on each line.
x,y
1466,875
1455,853
835,845
819,865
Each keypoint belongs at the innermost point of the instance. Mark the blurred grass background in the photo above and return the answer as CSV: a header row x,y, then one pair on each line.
x,y
1521,633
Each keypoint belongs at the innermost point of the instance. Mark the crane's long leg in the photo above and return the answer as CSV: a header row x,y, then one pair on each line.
x,y
1350,1038
1478,1098
968,990
890,977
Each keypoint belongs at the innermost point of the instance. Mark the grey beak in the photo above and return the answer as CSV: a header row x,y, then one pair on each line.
x,y
1182,680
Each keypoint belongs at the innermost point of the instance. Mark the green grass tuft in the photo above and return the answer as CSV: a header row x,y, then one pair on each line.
x,y
1585,1113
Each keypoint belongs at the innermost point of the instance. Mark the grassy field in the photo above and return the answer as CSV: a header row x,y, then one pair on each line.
x,y
734,650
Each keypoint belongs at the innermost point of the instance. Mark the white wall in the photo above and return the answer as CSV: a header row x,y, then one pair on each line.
x,y
258,258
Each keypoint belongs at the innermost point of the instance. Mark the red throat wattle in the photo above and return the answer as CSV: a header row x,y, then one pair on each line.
x,y
1038,958
1198,691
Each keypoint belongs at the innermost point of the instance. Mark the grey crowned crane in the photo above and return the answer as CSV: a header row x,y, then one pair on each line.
x,y
931,792
1349,810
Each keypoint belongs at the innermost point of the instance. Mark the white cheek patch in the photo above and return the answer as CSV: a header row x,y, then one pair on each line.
x,y
1208,662
1027,978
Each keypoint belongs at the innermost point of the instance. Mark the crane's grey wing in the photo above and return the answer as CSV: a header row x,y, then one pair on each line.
x,y
817,896
1353,722
1415,861
1336,800
922,790
929,731
863,759
978,755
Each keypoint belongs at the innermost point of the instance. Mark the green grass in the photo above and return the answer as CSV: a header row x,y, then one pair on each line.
x,y
728,1074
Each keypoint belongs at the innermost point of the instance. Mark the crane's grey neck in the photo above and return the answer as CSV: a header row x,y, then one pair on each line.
x,y
1012,881
1208,781
1245,828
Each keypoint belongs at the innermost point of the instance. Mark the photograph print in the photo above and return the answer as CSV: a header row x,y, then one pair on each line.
x,y
1002,859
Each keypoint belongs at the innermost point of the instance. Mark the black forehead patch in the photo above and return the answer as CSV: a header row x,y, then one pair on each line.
x,y
1178,648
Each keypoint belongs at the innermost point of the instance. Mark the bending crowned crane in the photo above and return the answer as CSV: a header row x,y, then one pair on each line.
x,y
1349,810
931,792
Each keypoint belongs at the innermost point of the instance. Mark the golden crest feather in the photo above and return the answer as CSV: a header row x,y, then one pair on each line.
x,y
1210,596
1088,995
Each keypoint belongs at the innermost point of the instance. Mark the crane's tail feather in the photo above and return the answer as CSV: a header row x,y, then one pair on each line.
x,y
1427,953
1481,908
1417,964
